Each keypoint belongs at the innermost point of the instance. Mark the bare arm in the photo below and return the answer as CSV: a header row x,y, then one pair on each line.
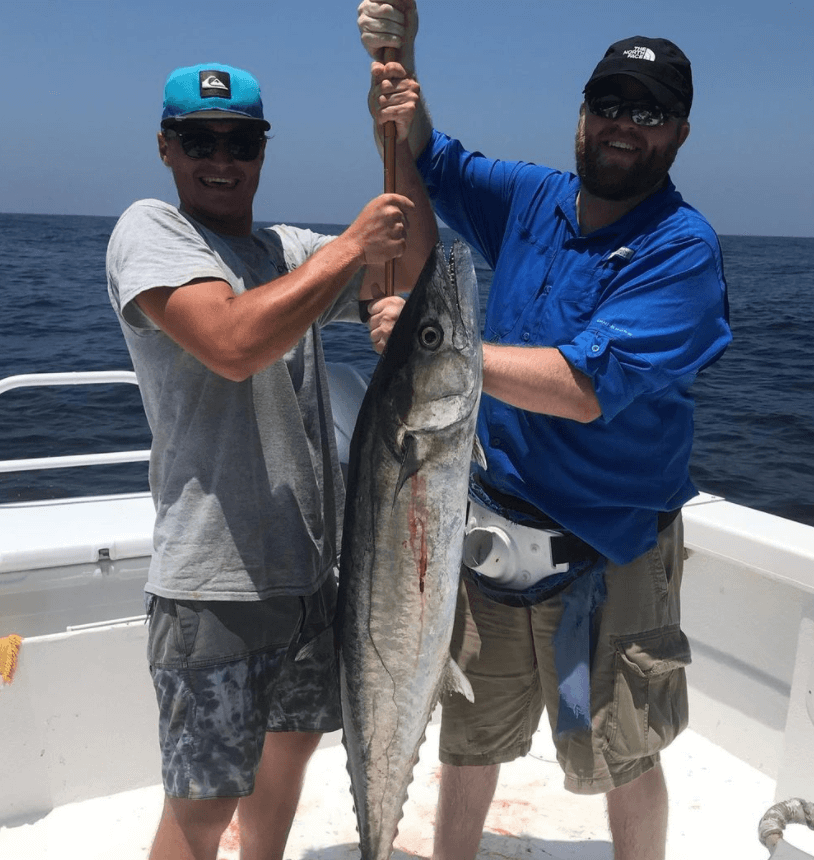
x,y
235,336
422,232
393,24
395,96
538,379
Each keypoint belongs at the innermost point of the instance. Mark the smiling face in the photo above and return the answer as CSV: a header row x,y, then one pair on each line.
x,y
619,160
217,190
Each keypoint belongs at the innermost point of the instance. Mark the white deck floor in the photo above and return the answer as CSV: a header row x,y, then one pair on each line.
x,y
716,802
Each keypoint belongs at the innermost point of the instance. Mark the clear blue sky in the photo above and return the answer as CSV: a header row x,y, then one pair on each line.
x,y
83,82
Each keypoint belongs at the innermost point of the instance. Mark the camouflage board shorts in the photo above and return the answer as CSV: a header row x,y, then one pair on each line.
x,y
224,675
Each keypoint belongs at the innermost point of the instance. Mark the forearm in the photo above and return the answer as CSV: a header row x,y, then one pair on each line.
x,y
270,320
419,133
421,130
395,99
423,230
538,379
237,335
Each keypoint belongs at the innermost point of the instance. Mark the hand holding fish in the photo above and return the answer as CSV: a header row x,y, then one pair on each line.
x,y
384,311
391,24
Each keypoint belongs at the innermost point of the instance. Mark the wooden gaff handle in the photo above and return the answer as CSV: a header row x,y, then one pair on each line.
x,y
390,55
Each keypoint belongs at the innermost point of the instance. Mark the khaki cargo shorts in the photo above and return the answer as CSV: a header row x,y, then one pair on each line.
x,y
638,683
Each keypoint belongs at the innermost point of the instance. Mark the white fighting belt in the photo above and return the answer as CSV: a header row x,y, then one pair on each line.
x,y
514,556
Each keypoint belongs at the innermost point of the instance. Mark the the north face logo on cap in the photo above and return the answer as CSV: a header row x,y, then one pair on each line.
x,y
640,54
215,84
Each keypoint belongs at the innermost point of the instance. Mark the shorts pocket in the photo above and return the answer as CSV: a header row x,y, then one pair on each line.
x,y
649,707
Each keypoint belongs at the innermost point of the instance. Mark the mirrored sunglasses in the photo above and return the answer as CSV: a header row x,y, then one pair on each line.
x,y
241,144
647,113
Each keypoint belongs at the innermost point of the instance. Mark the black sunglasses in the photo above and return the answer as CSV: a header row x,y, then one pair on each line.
x,y
241,144
646,113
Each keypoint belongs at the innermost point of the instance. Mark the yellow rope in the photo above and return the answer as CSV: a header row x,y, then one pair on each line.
x,y
9,649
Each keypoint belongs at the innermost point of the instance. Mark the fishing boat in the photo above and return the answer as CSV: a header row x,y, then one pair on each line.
x,y
81,774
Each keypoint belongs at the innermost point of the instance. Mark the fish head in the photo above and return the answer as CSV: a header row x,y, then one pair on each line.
x,y
432,364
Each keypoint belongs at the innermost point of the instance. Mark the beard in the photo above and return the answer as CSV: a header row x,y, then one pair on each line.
x,y
611,182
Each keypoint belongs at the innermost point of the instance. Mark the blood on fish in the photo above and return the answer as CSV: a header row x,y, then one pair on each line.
x,y
418,533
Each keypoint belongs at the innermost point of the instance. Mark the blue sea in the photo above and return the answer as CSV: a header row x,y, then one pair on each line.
x,y
754,441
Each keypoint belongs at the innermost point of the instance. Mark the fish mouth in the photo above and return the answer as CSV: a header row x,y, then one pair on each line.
x,y
466,305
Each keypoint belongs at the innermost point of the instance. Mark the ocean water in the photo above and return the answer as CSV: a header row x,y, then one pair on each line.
x,y
754,442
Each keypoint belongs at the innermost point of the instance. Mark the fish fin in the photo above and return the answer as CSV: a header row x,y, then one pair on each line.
x,y
456,682
410,463
478,454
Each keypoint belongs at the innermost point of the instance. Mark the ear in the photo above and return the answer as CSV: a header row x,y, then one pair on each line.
x,y
162,148
683,132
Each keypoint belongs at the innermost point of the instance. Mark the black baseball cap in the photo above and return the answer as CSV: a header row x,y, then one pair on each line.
x,y
659,64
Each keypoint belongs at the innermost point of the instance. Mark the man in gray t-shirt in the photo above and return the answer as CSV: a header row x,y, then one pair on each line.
x,y
222,323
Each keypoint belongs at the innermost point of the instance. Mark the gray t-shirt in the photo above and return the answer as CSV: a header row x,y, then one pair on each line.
x,y
244,475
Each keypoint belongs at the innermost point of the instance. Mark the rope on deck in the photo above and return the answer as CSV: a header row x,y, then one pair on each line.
x,y
773,823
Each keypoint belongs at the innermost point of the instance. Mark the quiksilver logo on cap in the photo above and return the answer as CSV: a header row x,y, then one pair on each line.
x,y
640,54
215,84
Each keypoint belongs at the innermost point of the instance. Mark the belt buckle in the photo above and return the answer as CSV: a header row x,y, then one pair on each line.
x,y
548,552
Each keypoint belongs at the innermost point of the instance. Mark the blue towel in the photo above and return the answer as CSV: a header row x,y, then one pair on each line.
x,y
573,648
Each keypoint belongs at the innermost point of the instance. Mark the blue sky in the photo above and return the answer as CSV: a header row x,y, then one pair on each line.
x,y
84,82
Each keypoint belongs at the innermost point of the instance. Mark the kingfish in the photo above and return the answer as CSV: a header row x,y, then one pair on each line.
x,y
402,539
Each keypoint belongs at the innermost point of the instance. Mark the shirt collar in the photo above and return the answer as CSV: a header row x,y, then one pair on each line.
x,y
643,213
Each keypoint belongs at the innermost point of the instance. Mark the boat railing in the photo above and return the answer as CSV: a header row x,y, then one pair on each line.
x,y
91,377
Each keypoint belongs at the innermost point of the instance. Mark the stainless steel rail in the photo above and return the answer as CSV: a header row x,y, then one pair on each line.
x,y
93,377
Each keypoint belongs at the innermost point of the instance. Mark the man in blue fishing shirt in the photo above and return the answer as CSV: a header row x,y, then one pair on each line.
x,y
608,298
222,321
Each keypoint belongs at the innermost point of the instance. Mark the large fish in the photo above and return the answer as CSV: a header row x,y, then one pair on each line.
x,y
403,538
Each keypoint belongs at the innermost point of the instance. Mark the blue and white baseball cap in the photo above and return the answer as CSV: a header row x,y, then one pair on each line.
x,y
212,91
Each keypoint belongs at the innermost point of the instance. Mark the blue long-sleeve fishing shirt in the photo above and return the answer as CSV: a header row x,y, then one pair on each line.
x,y
639,307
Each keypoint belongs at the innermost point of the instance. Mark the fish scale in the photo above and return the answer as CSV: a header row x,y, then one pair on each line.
x,y
403,538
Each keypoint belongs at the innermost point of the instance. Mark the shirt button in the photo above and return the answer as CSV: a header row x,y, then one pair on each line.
x,y
526,335
594,348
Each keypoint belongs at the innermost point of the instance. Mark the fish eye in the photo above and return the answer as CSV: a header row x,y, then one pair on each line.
x,y
431,336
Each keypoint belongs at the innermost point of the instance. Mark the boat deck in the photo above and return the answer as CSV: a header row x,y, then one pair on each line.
x,y
716,802
79,718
